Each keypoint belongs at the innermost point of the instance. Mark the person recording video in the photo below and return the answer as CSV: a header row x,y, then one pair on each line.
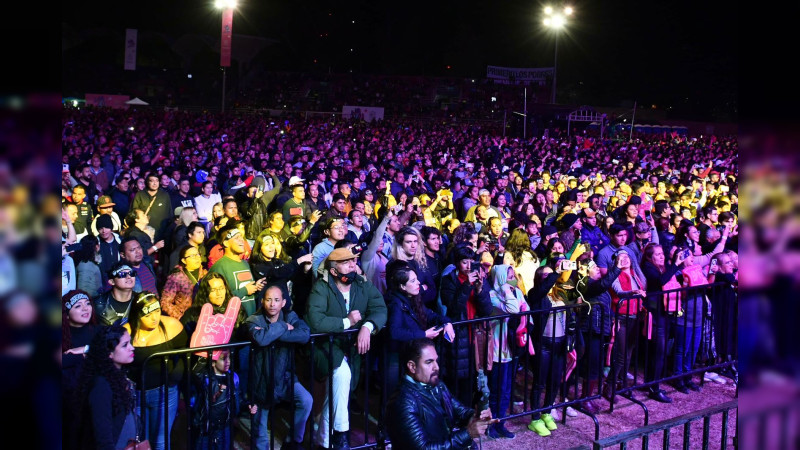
x,y
423,414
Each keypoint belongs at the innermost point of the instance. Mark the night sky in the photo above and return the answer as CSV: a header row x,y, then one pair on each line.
x,y
680,54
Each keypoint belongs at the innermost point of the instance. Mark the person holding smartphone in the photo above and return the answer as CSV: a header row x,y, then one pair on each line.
x,y
409,318
465,294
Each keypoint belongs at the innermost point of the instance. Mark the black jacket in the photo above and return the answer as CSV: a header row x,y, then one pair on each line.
x,y
416,418
270,384
454,297
595,292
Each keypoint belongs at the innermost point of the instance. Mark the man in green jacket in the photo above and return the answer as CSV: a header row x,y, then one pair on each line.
x,y
339,301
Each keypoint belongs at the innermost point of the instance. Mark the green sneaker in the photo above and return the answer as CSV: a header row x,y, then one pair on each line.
x,y
549,422
538,427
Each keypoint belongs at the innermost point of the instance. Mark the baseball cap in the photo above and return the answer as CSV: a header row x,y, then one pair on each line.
x,y
341,254
105,200
294,181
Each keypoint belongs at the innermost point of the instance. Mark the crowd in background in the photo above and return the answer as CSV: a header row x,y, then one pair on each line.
x,y
427,224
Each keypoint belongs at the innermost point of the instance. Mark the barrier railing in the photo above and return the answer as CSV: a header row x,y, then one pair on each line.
x,y
666,426
707,321
561,375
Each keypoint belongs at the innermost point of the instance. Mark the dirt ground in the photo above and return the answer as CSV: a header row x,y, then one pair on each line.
x,y
579,431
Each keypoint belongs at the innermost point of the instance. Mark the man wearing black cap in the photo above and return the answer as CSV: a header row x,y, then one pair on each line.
x,y
109,243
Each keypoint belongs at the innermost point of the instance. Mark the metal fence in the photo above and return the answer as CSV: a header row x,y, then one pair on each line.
x,y
644,433
579,353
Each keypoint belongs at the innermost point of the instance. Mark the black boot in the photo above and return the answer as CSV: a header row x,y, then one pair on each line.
x,y
659,395
341,440
680,386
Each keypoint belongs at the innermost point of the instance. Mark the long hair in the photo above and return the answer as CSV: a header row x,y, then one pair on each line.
x,y
647,256
517,244
186,215
464,233
66,331
88,249
551,243
202,297
400,276
140,301
257,257
99,364
419,256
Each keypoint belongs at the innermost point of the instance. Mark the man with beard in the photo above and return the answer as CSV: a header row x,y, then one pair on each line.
x,y
423,414
155,203
85,213
85,180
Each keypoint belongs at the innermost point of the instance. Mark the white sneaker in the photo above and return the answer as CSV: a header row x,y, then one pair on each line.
x,y
629,376
554,413
571,412
715,377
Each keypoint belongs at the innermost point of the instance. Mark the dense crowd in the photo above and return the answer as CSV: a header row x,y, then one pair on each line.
x,y
395,229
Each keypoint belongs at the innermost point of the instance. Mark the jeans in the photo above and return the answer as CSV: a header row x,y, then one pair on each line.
x,y
624,344
500,383
662,323
550,360
153,415
216,440
392,372
302,409
592,361
687,341
341,399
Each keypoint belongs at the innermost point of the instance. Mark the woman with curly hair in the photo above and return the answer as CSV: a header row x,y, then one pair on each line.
x,y
212,289
106,408
521,258
78,328
268,261
176,297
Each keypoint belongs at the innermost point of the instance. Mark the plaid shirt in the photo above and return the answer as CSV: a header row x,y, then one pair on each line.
x,y
176,297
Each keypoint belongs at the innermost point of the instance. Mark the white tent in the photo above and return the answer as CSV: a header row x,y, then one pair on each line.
x,y
137,101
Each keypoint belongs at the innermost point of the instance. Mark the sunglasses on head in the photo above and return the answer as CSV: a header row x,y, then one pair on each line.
x,y
125,274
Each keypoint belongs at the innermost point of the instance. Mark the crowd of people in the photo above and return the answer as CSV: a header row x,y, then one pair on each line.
x,y
395,231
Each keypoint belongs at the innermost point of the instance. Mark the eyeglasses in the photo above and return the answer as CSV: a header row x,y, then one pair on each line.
x,y
125,274
219,289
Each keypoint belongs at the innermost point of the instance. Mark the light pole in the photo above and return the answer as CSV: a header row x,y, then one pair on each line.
x,y
227,7
556,21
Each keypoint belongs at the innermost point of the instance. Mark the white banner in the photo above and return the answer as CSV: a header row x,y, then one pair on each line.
x,y
517,74
367,113
130,49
